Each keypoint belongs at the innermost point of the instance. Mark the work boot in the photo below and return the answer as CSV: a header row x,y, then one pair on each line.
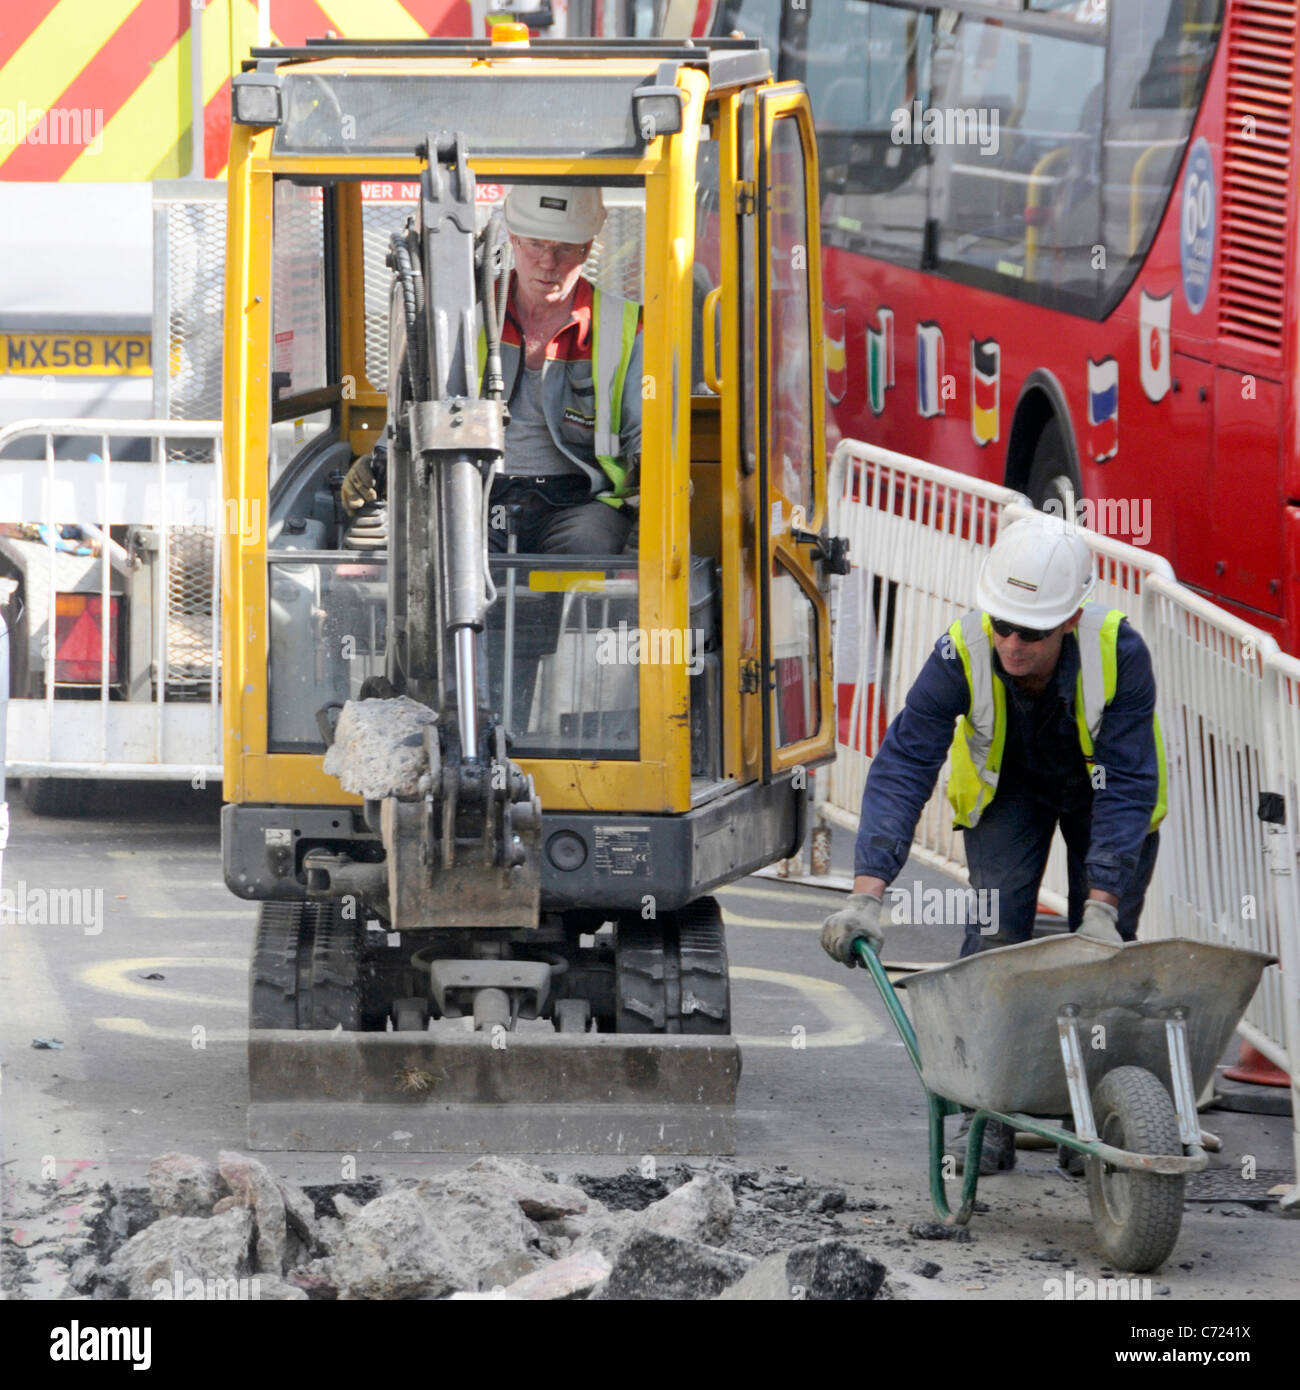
x,y
998,1152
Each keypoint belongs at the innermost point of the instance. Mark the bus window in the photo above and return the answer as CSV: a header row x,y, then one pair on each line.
x,y
755,19
1017,178
1160,56
863,63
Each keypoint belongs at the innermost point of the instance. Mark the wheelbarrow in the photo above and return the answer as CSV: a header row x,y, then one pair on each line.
x,y
1121,1039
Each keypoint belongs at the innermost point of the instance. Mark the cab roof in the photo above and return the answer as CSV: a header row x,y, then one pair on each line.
x,y
343,98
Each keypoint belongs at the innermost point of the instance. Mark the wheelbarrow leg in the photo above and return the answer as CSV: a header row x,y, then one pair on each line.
x,y
1076,1074
939,1108
1180,1073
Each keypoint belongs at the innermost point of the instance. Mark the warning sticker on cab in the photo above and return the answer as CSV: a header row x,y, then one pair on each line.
x,y
76,354
621,851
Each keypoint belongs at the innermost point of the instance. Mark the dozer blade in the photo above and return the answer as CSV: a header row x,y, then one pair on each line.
x,y
403,1092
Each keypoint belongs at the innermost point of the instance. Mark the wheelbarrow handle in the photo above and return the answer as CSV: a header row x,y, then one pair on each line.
x,y
937,1106
867,955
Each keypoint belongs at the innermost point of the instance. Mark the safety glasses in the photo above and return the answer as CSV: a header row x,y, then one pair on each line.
x,y
1026,634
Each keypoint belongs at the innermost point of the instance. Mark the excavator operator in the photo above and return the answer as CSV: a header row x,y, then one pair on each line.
x,y
571,363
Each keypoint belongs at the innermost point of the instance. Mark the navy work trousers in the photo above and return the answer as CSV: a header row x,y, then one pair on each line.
x,y
1007,852
556,516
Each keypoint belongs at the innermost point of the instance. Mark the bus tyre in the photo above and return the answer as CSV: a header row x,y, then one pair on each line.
x,y
1053,485
56,796
1136,1215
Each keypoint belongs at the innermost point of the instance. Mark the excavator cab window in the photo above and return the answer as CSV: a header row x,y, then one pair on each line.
x,y
563,636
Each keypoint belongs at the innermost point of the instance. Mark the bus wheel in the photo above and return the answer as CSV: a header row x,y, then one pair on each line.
x,y
1053,485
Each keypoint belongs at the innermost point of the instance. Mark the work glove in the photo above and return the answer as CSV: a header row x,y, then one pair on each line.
x,y
860,918
1101,923
359,485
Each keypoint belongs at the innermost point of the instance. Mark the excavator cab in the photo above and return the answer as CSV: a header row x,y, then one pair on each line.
x,y
483,794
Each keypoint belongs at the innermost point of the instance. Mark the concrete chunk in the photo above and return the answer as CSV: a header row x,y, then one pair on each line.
x,y
183,1185
215,1248
699,1210
427,1240
378,747
817,1272
538,1197
252,1185
567,1278
654,1266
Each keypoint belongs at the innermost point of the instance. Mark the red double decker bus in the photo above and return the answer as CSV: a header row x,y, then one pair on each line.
x,y
1056,255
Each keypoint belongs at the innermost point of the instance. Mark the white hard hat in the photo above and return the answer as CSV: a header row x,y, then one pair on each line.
x,y
1038,573
555,212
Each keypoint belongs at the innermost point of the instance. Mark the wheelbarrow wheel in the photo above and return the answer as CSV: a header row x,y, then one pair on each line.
x,y
1136,1215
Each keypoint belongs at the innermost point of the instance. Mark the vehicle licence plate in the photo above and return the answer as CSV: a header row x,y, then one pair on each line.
x,y
76,354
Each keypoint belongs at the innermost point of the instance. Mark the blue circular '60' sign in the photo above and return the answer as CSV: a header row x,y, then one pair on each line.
x,y
1196,230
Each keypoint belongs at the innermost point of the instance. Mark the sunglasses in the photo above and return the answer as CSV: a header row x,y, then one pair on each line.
x,y
1026,634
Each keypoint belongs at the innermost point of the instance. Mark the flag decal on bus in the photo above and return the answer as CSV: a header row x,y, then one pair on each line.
x,y
880,360
1153,330
985,389
929,369
837,363
1103,408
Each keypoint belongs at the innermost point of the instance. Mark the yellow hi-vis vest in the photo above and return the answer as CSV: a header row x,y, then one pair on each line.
x,y
613,336
976,758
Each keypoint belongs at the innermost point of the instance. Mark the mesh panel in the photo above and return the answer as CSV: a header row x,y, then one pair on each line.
x,y
189,610
196,244
615,263
196,253
379,222
297,293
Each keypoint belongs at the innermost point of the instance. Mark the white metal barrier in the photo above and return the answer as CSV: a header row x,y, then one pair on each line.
x,y
917,534
158,711
1228,702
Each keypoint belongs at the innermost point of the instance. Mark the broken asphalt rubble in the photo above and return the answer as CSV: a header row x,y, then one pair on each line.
x,y
500,1228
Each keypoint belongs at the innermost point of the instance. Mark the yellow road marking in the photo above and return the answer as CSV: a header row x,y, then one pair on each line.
x,y
739,919
784,895
110,976
52,56
850,1023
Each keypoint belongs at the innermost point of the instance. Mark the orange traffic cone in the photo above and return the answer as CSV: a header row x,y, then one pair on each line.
x,y
1254,1067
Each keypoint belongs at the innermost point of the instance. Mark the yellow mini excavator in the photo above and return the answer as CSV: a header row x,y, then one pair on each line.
x,y
482,795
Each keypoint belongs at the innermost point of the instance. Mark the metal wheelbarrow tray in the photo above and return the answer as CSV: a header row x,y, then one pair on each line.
x,y
1120,1038
988,1031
